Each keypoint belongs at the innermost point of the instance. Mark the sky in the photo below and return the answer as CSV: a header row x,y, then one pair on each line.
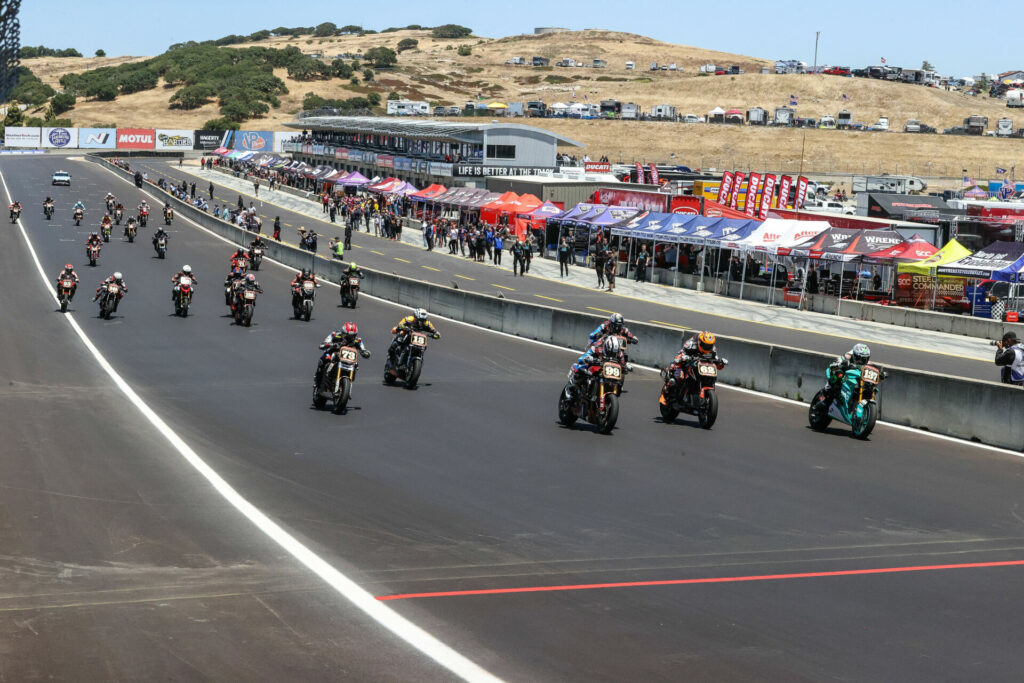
x,y
904,33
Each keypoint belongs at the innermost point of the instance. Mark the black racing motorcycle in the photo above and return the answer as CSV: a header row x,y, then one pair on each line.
x,y
336,383
302,304
349,290
596,401
408,362
108,299
692,392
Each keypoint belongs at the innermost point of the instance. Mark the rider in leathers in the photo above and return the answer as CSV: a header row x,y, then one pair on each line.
x,y
68,274
248,283
348,335
302,276
856,357
699,346
584,367
417,322
115,279
158,234
186,271
616,325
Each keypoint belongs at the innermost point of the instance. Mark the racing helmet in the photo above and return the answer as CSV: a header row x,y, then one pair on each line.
x,y
68,266
350,329
236,271
117,275
353,267
420,314
706,342
250,278
616,322
612,345
690,345
187,269
860,354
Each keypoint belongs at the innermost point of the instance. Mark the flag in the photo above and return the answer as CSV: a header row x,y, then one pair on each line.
x,y
1000,171
654,174
846,98
639,173
883,60
766,198
734,200
968,181
725,188
793,99
784,185
1006,190
750,205
574,93
801,193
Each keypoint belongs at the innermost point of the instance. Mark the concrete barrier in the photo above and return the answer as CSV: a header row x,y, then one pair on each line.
x,y
982,411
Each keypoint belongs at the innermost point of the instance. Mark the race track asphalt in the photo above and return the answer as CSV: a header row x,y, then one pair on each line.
x,y
465,484
439,268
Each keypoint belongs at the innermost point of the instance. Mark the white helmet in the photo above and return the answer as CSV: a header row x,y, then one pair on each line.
x,y
117,275
186,268
420,314
612,345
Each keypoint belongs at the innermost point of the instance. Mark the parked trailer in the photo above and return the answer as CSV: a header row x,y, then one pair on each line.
x,y
895,184
630,66
630,111
757,116
783,116
407,108
1004,128
844,120
1015,98
975,124
663,112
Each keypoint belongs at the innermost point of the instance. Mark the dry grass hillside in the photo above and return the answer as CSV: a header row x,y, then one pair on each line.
x,y
435,72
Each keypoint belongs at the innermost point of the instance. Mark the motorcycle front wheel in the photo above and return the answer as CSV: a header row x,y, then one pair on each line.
x,y
415,367
817,413
707,413
862,428
344,394
64,304
607,419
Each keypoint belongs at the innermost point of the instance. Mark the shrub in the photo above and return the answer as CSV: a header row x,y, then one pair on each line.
x,y
61,103
381,57
407,44
101,53
221,124
373,98
465,50
451,31
368,75
325,29
29,89
192,97
28,52
394,95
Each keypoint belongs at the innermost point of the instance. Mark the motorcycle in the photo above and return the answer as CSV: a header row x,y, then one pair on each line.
x,y
597,401
138,181
110,205
130,230
244,309
118,215
855,405
48,211
15,215
257,257
692,393
108,300
350,291
229,291
78,216
304,308
67,285
241,262
160,246
93,252
408,362
182,296
336,383
168,215
105,231
143,217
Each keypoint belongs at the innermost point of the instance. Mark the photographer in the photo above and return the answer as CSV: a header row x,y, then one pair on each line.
x,y
1010,356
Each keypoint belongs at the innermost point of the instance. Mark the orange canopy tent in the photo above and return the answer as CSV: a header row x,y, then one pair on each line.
x,y
490,212
536,218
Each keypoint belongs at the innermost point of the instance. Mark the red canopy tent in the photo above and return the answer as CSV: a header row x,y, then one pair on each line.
x,y
536,218
490,212
915,248
428,193
384,185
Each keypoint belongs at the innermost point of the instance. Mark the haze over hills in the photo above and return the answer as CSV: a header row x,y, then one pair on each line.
x,y
434,71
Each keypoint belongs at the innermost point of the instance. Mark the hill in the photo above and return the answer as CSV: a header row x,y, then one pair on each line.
x,y
434,71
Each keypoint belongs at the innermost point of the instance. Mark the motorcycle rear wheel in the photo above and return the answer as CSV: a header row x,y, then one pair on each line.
x,y
668,413
707,413
817,413
415,367
319,401
566,415
606,421
863,427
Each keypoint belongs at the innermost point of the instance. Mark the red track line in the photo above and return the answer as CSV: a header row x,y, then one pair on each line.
x,y
679,582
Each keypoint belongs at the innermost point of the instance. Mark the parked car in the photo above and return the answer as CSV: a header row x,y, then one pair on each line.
x,y
691,118
837,71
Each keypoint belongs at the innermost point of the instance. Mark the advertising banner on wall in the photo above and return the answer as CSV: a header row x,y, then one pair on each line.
x,y
638,199
136,138
341,153
281,138
60,138
208,139
250,140
175,139
97,138
21,136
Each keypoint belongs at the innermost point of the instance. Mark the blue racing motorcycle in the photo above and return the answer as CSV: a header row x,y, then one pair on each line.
x,y
853,401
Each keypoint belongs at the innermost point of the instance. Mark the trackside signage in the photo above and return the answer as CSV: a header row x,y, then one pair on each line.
x,y
20,136
175,139
60,138
136,138
97,138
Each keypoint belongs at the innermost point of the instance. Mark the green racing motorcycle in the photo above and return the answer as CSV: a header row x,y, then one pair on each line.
x,y
853,401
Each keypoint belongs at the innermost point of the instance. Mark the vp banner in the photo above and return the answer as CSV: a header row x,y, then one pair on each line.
x,y
97,138
174,139
20,136
250,140
61,138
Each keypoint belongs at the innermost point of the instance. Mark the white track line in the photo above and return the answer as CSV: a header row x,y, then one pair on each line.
x,y
398,625
758,394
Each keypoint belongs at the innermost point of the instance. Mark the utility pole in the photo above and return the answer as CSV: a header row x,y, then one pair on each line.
x,y
817,35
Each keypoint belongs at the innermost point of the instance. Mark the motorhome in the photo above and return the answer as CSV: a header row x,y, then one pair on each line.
x,y
757,116
665,112
407,108
1015,98
611,108
536,108
895,184
673,67
913,126
790,66
1004,128
541,61
707,69
654,66
844,120
631,111
882,125
600,64
566,62
783,116
630,66
827,121
975,124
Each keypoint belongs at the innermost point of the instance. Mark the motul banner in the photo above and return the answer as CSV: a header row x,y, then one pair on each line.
x,y
136,138
766,200
734,198
639,173
784,185
725,188
753,185
654,174
801,192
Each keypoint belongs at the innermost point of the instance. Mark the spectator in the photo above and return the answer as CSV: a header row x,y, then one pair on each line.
x,y
277,228
643,259
600,257
611,268
348,235
499,245
564,254
256,186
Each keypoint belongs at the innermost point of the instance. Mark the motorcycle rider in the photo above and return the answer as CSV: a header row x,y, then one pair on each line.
x,y
93,240
857,357
417,322
590,362
47,202
158,234
16,206
105,223
353,270
68,274
305,275
115,279
186,271
130,223
699,346
78,205
348,335
249,282
257,243
110,199
168,209
234,278
615,324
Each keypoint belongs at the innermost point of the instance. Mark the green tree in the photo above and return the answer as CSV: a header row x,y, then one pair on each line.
x,y
368,75
341,69
351,28
101,53
394,95
15,116
381,57
325,29
61,103
451,31
192,97
927,66
105,92
465,50
312,101
407,44
373,98
221,124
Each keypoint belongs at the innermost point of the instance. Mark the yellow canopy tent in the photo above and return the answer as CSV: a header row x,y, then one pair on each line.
x,y
952,251
497,105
